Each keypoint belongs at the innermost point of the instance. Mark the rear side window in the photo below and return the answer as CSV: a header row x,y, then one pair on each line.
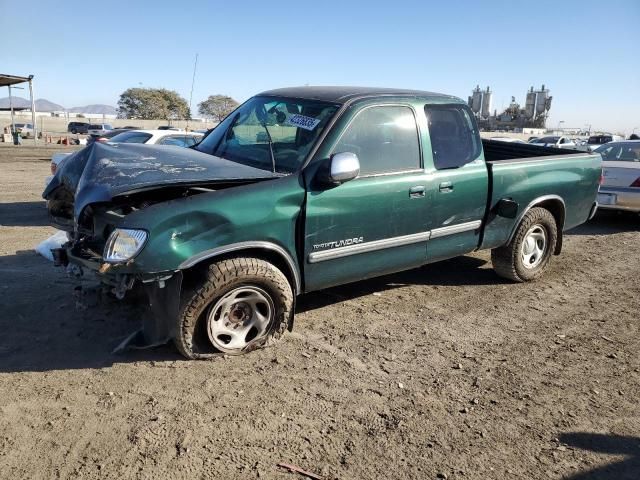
x,y
620,152
177,140
131,137
455,140
599,139
384,138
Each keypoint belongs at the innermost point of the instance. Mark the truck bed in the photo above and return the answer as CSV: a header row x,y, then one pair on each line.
x,y
495,151
526,173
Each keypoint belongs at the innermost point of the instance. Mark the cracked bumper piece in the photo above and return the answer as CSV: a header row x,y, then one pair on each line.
x,y
159,324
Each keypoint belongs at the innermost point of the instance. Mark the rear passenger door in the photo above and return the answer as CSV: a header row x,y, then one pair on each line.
x,y
375,223
458,184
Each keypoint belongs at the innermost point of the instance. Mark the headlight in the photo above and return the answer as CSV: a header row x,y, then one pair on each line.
x,y
124,244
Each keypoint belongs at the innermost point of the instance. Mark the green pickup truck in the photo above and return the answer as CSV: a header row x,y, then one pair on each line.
x,y
301,189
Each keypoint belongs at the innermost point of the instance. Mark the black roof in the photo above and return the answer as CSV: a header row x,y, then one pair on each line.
x,y
338,94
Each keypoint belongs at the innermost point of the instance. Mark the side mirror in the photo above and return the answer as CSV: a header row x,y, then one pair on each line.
x,y
344,166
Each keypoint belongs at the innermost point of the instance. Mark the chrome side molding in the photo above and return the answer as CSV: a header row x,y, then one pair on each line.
x,y
340,252
315,257
453,229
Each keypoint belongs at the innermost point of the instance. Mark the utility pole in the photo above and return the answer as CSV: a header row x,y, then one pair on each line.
x,y
13,127
193,81
33,111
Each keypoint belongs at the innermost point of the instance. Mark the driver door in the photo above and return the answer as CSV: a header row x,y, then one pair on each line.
x,y
375,223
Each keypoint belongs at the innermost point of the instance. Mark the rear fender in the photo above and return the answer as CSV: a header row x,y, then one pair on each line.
x,y
555,204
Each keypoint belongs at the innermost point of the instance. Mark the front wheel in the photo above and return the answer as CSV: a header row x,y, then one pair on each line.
x,y
529,252
243,304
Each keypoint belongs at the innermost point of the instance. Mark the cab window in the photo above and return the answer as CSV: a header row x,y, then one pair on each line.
x,y
384,138
455,140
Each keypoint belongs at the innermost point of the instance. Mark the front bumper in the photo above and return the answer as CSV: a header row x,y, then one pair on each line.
x,y
619,198
115,275
163,292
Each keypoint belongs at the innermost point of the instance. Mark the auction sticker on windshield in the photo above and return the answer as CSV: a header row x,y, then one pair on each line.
x,y
302,121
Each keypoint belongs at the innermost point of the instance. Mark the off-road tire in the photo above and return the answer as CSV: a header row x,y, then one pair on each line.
x,y
221,277
507,260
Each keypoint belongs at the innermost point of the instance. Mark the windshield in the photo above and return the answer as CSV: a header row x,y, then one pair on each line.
x,y
546,140
620,152
270,133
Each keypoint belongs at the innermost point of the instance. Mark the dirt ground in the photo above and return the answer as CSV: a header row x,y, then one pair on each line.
x,y
442,372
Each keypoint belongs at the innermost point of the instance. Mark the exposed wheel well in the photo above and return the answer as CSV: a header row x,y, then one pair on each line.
x,y
194,274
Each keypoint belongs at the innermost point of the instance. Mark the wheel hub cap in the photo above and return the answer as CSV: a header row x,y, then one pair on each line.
x,y
240,313
239,318
534,246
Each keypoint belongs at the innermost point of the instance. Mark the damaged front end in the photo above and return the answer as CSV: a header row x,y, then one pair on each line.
x,y
98,246
96,192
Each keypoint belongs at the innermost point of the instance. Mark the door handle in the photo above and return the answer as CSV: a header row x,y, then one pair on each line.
x,y
446,187
417,191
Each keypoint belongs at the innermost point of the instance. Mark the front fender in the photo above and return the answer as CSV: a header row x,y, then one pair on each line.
x,y
186,229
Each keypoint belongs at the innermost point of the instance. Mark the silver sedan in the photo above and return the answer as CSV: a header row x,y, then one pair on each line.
x,y
620,187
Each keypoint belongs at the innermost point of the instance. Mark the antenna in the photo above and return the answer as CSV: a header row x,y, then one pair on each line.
x,y
193,81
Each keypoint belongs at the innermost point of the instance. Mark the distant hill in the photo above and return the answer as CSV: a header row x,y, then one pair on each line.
x,y
44,105
98,108
16,101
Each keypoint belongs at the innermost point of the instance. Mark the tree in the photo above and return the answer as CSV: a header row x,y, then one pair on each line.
x,y
217,106
152,104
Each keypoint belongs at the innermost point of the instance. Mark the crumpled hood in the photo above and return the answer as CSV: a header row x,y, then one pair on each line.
x,y
102,171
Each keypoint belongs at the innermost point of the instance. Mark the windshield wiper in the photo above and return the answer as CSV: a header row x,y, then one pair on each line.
x,y
273,157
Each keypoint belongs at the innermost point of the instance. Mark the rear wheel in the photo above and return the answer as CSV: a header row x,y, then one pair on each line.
x,y
529,252
242,304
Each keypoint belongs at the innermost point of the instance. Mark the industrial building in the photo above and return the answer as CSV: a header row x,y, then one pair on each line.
x,y
514,118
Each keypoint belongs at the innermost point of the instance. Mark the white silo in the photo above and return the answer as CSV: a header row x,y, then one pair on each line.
x,y
541,100
486,103
475,100
530,104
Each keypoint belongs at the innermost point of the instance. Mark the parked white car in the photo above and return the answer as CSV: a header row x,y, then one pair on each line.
x,y
507,139
596,141
157,137
169,127
24,129
97,129
148,137
620,187
554,141
56,160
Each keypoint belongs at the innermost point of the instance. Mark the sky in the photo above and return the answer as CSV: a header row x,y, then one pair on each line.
x,y
585,52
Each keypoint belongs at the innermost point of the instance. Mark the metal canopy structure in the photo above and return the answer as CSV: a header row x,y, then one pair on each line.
x,y
8,81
